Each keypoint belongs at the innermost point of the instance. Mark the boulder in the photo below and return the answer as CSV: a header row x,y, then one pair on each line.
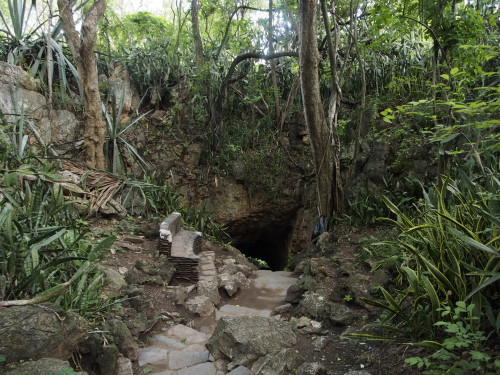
x,y
34,332
318,307
245,339
201,305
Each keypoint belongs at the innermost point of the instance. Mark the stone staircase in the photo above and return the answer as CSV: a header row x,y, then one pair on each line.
x,y
181,247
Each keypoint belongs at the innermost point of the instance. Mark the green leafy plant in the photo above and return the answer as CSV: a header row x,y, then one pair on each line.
x,y
461,351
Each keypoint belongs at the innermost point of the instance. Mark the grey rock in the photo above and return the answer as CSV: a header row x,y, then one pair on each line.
x,y
357,372
34,332
187,334
283,309
138,277
279,363
113,208
114,279
124,366
63,126
297,290
379,278
340,314
232,283
311,368
320,343
169,342
246,338
318,307
210,290
178,360
202,368
13,74
325,243
201,305
151,355
123,339
42,366
240,370
294,293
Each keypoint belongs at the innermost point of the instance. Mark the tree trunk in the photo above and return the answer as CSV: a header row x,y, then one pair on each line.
x,y
82,50
198,46
272,62
322,140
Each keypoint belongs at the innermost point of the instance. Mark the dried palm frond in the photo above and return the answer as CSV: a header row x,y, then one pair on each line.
x,y
98,186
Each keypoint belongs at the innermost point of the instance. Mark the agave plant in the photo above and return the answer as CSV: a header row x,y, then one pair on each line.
x,y
26,44
116,141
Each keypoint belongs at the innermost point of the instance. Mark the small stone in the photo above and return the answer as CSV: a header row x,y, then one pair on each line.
x,y
122,270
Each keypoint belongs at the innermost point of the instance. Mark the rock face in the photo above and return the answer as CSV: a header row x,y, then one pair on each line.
x,y
19,91
33,332
245,339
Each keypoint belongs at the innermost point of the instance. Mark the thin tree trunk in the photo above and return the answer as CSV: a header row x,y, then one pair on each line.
x,y
289,101
272,62
325,162
82,50
362,105
198,46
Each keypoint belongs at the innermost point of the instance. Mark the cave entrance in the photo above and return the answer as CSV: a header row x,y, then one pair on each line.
x,y
268,240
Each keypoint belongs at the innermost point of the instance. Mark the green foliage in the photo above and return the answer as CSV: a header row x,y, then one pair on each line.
x,y
200,219
367,206
460,352
44,250
451,254
259,263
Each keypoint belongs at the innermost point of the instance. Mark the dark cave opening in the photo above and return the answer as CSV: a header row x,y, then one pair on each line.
x,y
266,240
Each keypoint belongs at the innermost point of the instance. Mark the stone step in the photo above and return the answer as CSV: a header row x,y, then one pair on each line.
x,y
236,310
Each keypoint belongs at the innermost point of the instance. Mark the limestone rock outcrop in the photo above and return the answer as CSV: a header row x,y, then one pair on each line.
x,y
245,339
34,332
